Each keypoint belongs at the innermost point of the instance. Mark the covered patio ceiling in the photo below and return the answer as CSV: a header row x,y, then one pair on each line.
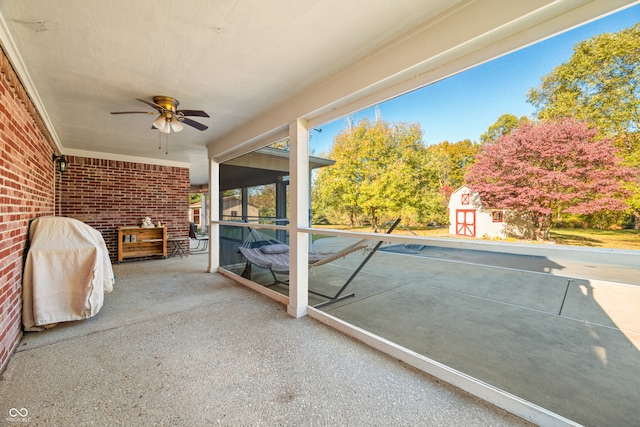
x,y
253,65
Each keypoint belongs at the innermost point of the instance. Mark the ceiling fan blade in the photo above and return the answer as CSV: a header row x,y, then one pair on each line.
x,y
198,113
134,112
193,123
151,104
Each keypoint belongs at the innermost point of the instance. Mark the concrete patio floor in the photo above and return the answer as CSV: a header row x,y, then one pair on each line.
x,y
176,346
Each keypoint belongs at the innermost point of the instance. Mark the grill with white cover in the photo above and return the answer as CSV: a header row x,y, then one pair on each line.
x,y
67,272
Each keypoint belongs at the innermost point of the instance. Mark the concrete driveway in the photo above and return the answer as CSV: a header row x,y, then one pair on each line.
x,y
561,333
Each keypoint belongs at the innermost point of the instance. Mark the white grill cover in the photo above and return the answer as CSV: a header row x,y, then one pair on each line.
x,y
66,274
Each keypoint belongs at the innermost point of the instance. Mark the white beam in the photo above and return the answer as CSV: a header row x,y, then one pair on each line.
x,y
299,213
214,213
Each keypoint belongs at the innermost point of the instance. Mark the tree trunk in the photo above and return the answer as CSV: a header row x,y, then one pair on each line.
x,y
542,225
636,217
374,219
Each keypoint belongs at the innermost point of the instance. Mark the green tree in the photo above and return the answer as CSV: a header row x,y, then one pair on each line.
x,y
451,161
427,202
381,171
503,126
600,84
264,198
194,198
281,144
335,188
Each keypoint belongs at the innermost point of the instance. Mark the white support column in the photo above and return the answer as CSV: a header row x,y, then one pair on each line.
x,y
214,212
299,211
204,214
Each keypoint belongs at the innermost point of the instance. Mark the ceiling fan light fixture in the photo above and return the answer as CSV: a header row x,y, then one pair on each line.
x,y
165,129
176,126
160,122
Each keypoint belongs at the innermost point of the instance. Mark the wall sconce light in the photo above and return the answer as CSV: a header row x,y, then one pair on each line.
x,y
62,162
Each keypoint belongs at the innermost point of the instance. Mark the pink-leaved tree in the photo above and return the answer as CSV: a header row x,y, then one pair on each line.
x,y
547,167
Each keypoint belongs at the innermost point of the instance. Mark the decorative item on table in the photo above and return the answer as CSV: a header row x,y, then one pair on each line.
x,y
147,223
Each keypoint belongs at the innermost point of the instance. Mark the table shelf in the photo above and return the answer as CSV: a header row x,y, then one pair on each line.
x,y
138,242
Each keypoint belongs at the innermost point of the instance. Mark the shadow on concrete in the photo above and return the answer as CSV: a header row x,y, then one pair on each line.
x,y
525,324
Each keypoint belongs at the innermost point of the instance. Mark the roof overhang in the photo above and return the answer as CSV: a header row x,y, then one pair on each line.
x,y
261,167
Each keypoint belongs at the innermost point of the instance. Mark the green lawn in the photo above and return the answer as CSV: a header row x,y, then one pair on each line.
x,y
618,239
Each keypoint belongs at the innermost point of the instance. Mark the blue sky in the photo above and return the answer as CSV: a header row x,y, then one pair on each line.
x,y
465,105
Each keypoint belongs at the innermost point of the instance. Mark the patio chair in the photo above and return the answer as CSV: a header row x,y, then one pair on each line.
x,y
267,253
193,235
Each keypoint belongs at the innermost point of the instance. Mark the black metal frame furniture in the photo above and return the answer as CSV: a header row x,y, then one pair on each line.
x,y
176,246
193,235
277,261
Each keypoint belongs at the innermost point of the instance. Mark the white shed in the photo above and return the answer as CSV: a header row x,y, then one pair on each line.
x,y
467,216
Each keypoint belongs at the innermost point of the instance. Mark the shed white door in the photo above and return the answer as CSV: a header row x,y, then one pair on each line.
x,y
466,222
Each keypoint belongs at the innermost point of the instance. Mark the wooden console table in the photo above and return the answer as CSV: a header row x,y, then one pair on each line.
x,y
136,242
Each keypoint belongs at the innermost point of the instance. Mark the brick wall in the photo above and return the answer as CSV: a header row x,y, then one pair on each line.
x,y
103,193
107,194
26,192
